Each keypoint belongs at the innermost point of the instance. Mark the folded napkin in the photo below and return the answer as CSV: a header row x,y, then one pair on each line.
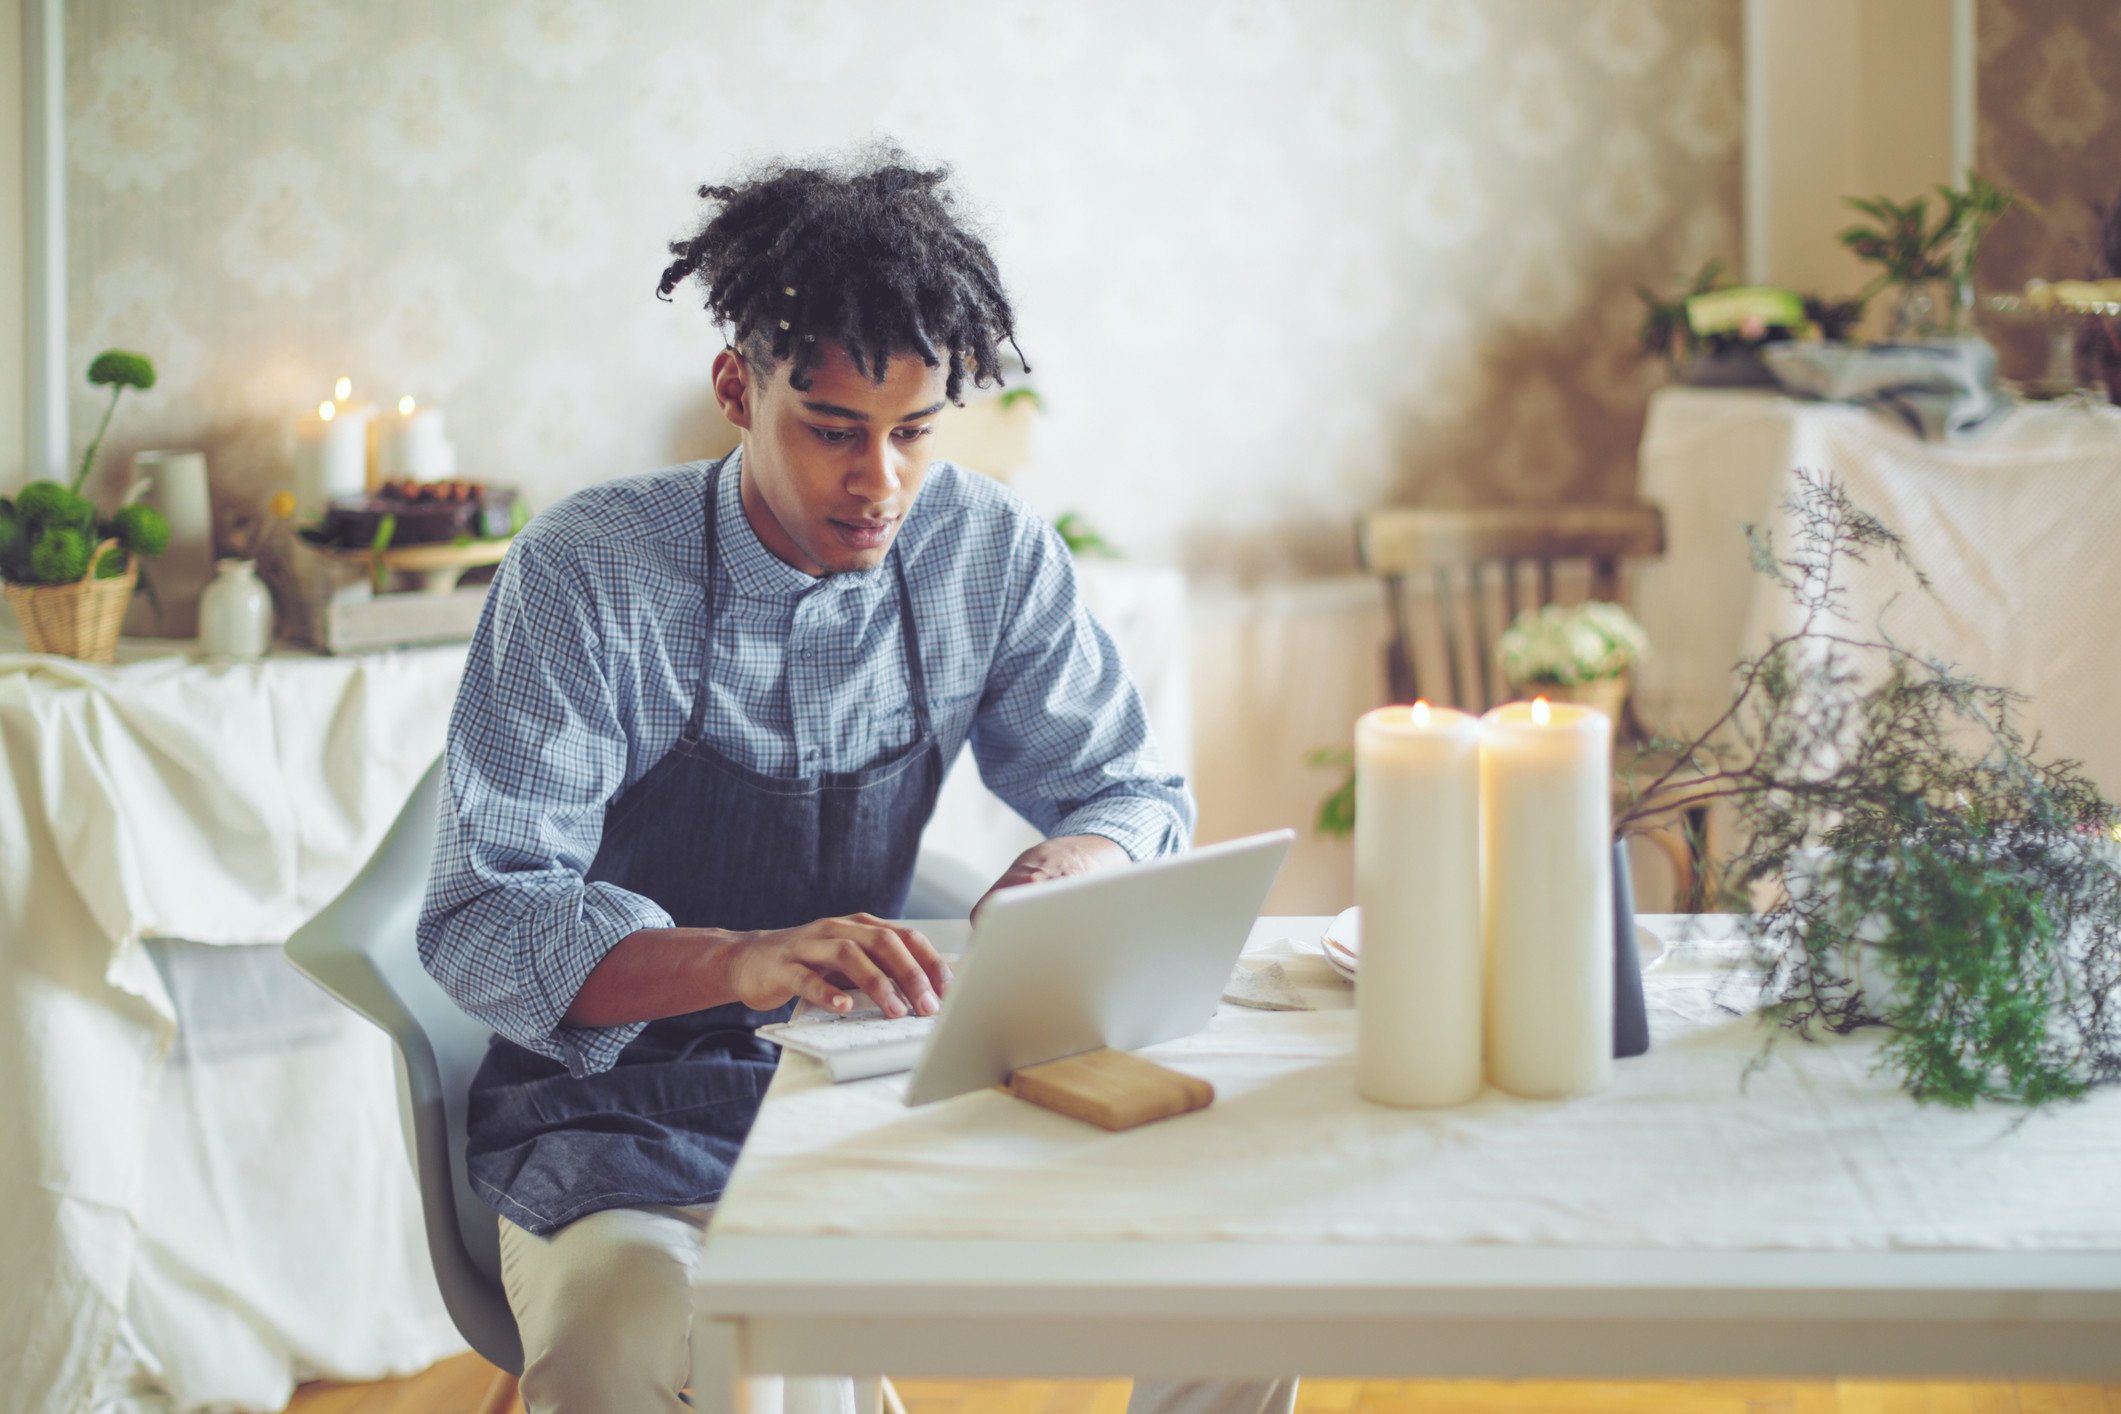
x,y
1943,388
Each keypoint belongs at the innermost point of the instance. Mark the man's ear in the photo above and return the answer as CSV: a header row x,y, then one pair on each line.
x,y
734,389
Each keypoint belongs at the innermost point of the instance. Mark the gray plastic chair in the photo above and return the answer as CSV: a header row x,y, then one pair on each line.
x,y
362,949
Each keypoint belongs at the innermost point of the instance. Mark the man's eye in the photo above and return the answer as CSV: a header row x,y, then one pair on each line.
x,y
913,434
834,436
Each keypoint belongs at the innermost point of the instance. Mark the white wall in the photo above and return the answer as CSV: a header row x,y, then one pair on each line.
x,y
14,333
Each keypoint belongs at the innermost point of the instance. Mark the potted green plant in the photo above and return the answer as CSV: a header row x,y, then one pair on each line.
x,y
70,571
1915,255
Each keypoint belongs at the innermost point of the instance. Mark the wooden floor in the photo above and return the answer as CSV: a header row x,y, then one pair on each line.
x,y
456,1387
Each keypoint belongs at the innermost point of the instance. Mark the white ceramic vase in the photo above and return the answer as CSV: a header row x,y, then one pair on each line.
x,y
235,612
176,486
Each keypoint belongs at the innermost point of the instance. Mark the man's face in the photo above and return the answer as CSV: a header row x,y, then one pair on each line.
x,y
831,470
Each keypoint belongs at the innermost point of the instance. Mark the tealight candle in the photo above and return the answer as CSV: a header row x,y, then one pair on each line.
x,y
1417,881
1546,894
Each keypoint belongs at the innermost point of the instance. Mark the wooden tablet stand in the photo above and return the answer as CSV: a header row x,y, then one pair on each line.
x,y
1111,1089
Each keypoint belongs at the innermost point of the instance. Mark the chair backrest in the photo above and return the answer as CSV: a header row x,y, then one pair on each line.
x,y
1457,550
362,950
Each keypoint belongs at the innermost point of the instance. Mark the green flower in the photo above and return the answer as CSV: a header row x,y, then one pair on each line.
x,y
115,368
58,556
142,530
43,503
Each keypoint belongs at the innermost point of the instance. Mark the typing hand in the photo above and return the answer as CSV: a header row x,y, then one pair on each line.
x,y
1056,859
899,969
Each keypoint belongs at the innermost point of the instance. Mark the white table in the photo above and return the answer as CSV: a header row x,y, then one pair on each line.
x,y
1814,1223
2015,526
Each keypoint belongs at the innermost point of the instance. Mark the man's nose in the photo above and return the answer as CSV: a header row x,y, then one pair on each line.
x,y
876,474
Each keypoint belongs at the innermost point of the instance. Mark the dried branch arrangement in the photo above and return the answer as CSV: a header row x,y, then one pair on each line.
x,y
1909,859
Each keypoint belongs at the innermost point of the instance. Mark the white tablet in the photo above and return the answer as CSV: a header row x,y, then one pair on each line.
x,y
1122,958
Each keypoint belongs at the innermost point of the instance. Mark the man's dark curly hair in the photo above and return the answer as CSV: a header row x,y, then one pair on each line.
x,y
868,255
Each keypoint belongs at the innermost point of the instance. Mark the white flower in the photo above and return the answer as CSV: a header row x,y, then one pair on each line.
x,y
280,39
282,241
559,229
1571,644
424,129
132,132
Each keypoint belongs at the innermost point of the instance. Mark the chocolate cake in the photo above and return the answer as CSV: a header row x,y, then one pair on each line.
x,y
427,512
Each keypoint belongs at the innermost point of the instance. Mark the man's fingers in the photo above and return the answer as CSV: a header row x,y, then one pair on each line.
x,y
888,949
845,957
925,954
811,986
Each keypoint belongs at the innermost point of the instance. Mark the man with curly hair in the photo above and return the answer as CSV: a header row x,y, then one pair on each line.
x,y
704,720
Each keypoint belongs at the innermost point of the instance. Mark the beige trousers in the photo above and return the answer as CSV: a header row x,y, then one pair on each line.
x,y
604,1307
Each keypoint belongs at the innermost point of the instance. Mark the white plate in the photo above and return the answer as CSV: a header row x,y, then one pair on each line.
x,y
1342,945
1342,942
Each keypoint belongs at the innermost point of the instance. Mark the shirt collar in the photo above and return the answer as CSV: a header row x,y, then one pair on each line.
x,y
755,571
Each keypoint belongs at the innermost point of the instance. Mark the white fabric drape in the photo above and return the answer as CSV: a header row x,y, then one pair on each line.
x,y
165,797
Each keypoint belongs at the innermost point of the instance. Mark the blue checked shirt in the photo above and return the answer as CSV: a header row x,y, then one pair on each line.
x,y
581,676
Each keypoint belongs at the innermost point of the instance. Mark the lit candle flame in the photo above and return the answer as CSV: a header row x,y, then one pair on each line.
x,y
325,411
343,389
406,405
1421,714
1541,713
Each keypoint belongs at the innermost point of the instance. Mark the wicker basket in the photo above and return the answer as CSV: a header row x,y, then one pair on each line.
x,y
78,620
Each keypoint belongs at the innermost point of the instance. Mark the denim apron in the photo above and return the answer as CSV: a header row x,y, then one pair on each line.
x,y
716,844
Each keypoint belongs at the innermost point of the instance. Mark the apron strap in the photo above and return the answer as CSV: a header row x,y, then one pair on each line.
x,y
697,722
917,681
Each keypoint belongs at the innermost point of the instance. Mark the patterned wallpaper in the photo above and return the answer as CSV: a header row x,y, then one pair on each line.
x,y
2050,127
1276,261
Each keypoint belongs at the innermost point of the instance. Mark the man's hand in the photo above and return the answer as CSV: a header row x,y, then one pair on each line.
x,y
899,969
661,972
1057,859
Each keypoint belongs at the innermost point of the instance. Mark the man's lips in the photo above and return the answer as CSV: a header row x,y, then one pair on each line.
x,y
864,534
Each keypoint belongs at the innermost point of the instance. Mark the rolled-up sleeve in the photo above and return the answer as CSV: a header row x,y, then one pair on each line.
x,y
536,748
1062,733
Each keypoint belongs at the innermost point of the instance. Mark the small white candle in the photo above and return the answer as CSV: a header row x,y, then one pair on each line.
x,y
414,445
1417,881
1547,897
331,454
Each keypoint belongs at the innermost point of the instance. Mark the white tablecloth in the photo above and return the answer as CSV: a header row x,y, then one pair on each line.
x,y
2018,528
1814,1151
219,1227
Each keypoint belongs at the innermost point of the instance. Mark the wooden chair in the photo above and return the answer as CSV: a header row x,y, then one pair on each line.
x,y
1463,551
1463,554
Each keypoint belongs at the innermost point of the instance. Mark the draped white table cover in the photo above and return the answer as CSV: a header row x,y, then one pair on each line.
x,y
1698,1145
222,803
2017,528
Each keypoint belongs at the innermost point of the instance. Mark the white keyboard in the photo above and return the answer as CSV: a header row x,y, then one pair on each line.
x,y
849,1033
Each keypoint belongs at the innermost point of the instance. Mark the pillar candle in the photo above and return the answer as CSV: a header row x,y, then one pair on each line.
x,y
1547,903
331,456
1417,881
413,445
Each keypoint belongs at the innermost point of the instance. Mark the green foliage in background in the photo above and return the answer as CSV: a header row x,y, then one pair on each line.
x,y
1082,539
